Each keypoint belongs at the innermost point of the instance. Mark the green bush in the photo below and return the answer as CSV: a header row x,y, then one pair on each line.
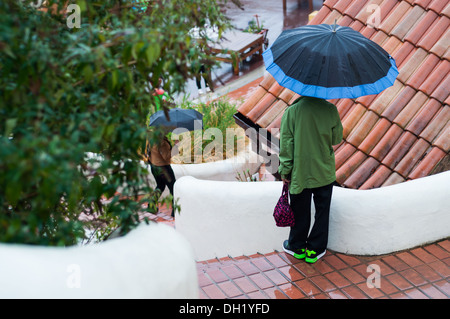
x,y
66,92
216,114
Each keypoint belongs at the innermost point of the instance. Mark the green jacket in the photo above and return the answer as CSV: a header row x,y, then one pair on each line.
x,y
309,129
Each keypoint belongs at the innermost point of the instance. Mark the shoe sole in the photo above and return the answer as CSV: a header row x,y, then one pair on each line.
x,y
313,260
290,252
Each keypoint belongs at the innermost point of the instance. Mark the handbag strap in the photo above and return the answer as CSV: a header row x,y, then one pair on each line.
x,y
285,189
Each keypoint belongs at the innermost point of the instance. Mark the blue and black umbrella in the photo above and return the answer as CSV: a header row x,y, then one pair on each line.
x,y
329,62
178,118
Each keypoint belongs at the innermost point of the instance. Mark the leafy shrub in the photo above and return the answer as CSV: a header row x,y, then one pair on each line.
x,y
217,114
68,92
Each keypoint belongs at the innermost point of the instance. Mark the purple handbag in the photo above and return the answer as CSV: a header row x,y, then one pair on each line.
x,y
283,214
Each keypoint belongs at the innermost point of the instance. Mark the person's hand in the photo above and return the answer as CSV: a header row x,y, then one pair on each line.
x,y
285,180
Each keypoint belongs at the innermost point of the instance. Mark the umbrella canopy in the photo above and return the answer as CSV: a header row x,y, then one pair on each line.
x,y
329,61
178,118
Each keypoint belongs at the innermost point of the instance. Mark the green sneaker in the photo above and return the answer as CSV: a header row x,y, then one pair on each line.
x,y
297,253
311,256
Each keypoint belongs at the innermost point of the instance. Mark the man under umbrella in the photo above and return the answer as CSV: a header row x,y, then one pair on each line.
x,y
159,157
159,154
319,62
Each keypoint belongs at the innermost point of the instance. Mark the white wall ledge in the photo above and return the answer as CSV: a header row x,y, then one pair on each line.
x,y
235,218
152,261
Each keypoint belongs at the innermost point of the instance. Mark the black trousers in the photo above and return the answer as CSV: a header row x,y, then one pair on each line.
x,y
164,176
300,235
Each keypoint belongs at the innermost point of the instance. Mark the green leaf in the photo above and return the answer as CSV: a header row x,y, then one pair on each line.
x,y
10,125
152,53
88,73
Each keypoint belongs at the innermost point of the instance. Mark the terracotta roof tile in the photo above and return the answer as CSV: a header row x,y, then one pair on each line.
x,y
293,98
386,97
399,103
410,64
378,178
362,173
424,70
424,116
400,148
322,14
346,21
413,16
386,142
286,95
357,25
378,37
350,166
343,154
436,125
330,3
437,5
414,155
367,99
271,114
344,106
350,120
332,17
403,52
446,10
261,107
420,28
403,132
393,179
276,89
375,135
385,8
341,6
395,16
442,90
354,8
443,141
428,163
268,81
391,45
408,112
341,144
362,129
446,55
434,33
441,46
250,102
436,77
422,3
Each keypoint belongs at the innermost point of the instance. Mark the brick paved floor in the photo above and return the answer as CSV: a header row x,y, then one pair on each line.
x,y
418,273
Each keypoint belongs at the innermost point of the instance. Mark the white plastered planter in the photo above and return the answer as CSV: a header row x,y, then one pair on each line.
x,y
235,218
152,261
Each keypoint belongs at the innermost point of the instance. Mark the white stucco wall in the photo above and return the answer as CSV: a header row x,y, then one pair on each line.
x,y
152,261
235,218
